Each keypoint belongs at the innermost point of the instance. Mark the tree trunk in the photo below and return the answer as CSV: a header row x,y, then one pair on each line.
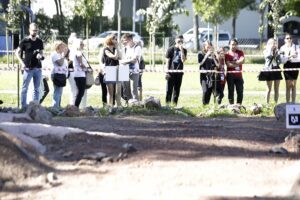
x,y
261,24
61,16
119,20
56,6
87,36
233,26
196,33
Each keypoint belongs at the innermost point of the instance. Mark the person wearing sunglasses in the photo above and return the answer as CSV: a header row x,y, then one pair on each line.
x,y
290,58
176,56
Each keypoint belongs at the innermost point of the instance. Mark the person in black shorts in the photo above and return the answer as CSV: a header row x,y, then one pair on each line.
x,y
289,56
272,61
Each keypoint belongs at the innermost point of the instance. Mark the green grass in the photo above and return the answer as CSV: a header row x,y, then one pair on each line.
x,y
154,84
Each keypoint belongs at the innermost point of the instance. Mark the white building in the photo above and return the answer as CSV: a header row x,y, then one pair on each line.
x,y
247,22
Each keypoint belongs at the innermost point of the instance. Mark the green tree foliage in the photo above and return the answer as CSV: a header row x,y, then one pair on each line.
x,y
88,9
215,11
293,6
159,15
275,14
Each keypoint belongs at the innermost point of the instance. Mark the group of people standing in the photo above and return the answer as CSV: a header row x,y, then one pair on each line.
x,y
209,60
288,55
69,61
213,77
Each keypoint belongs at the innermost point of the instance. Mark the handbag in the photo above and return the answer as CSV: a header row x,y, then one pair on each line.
x,y
89,75
60,80
89,78
97,80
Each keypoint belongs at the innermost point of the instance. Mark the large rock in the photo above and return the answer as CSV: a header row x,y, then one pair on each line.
x,y
292,143
152,103
72,111
38,113
280,111
18,160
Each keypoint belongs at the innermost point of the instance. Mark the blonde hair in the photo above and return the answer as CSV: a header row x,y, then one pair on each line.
x,y
269,43
109,40
58,44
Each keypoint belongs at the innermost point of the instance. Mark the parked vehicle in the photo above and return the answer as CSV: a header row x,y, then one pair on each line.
x,y
97,41
189,35
223,38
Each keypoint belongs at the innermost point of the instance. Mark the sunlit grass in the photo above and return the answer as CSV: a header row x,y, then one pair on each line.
x,y
154,84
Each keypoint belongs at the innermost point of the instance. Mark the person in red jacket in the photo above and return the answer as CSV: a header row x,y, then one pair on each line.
x,y
234,59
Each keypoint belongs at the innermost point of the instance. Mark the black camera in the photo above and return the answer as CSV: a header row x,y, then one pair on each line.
x,y
36,52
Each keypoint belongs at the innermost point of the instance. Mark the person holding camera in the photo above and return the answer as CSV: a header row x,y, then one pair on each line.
x,y
31,48
290,53
60,68
207,61
176,56
234,59
272,61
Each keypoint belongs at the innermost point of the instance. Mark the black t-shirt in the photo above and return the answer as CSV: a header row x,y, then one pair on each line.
x,y
174,55
209,64
30,49
107,60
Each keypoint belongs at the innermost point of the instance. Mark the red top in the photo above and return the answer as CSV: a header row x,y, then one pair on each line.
x,y
234,56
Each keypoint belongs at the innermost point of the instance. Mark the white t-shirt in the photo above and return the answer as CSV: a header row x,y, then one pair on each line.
x,y
290,51
78,71
133,52
63,69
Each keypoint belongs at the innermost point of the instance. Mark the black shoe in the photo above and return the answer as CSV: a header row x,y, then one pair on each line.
x,y
1,102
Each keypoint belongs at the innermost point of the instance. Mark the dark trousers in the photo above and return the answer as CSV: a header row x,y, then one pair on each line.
x,y
219,91
206,92
103,88
80,83
238,83
173,87
46,90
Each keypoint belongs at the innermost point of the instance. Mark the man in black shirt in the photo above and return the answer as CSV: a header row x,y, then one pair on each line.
x,y
176,55
31,48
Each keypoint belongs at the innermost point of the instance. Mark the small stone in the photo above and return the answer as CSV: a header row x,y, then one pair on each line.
x,y
68,154
279,150
52,179
95,156
86,162
108,159
129,148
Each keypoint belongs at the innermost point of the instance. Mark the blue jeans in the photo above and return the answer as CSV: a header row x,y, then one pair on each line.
x,y
36,74
56,95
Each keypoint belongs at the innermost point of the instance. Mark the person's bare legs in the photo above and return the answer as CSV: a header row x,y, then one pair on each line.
x,y
294,90
287,90
110,90
276,90
269,87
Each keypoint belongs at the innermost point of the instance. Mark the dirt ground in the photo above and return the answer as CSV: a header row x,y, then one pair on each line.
x,y
177,158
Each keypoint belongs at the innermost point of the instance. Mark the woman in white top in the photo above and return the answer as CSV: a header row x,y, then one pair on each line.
x,y
59,64
80,65
272,61
290,57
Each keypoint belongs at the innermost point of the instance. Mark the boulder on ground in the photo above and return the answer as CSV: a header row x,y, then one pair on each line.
x,y
72,111
38,112
152,103
280,111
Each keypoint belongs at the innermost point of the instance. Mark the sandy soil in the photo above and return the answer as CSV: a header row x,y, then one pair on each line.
x,y
177,158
